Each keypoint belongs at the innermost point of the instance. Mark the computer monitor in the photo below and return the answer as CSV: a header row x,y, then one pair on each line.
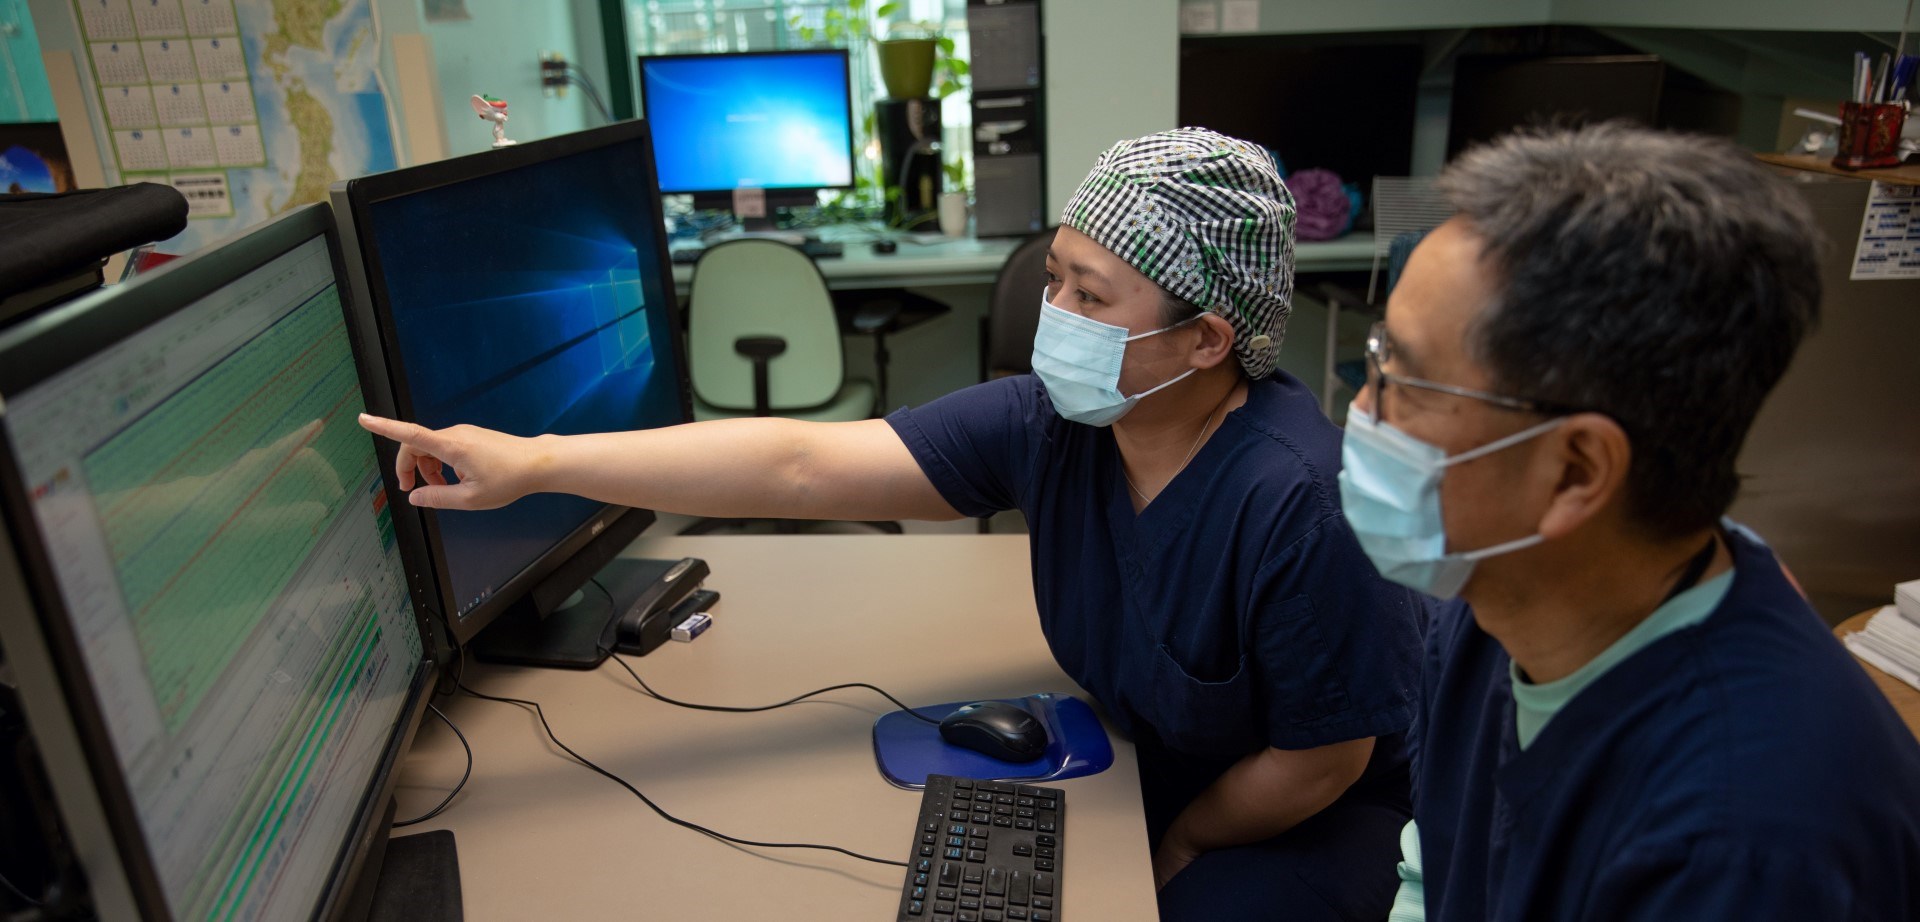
x,y
779,121
528,290
200,594
1494,94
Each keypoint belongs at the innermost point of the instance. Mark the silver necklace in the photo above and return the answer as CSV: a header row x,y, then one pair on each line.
x,y
1144,498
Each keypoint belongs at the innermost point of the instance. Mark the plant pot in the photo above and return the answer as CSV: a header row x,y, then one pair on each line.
x,y
953,214
906,66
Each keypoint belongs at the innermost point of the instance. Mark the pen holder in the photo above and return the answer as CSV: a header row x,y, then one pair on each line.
x,y
1869,135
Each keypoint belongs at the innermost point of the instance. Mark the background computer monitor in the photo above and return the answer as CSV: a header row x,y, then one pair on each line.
x,y
200,594
1494,94
780,121
33,158
527,290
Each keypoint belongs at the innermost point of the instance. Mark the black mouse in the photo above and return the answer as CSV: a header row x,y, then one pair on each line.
x,y
884,247
1001,731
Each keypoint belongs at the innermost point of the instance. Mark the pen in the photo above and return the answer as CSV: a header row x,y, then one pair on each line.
x,y
1880,86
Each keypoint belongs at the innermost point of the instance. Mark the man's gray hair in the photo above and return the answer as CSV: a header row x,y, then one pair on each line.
x,y
1664,280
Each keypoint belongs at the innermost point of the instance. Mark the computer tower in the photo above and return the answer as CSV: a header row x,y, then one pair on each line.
x,y
1009,126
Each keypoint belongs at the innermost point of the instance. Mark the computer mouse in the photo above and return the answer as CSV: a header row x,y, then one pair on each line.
x,y
995,729
884,247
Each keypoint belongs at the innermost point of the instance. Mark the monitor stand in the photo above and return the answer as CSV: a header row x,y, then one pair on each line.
x,y
579,631
411,878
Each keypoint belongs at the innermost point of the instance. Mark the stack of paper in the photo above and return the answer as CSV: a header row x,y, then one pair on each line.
x,y
1891,639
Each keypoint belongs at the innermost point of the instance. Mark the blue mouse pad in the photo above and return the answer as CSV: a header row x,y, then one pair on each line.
x,y
909,750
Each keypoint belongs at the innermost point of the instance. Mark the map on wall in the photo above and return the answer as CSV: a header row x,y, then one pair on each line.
x,y
248,107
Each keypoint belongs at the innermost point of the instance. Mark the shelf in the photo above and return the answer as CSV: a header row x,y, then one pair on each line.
x,y
1907,175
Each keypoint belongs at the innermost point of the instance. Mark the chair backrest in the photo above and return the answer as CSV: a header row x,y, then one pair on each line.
x,y
762,288
1013,311
1402,205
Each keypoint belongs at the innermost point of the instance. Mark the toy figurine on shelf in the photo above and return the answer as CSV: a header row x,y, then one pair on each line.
x,y
495,111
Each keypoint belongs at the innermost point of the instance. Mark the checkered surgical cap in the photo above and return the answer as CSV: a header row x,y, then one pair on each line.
x,y
1207,218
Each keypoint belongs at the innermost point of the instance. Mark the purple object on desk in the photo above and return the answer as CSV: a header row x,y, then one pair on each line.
x,y
909,750
1322,209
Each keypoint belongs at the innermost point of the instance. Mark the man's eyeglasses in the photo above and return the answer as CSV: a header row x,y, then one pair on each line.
x,y
1380,353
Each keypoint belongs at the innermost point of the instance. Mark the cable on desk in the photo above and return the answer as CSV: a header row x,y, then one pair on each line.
x,y
30,901
442,805
696,827
764,707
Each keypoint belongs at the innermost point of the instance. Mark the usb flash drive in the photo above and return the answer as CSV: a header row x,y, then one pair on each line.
x,y
695,625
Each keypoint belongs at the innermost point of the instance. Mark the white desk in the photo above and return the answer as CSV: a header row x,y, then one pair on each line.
x,y
930,618
968,261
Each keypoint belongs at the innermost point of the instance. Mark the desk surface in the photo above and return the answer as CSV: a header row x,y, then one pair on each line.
x,y
541,837
968,261
1905,698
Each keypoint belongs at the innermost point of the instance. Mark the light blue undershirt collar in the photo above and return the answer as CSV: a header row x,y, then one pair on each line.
x,y
1534,705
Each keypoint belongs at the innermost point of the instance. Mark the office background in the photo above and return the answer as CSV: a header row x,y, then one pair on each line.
x,y
1123,68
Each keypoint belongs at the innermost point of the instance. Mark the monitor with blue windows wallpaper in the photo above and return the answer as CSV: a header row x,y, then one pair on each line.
x,y
775,120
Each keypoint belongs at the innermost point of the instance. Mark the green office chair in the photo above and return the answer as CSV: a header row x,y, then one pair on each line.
x,y
763,340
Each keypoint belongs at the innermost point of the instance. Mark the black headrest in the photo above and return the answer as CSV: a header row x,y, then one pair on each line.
x,y
46,237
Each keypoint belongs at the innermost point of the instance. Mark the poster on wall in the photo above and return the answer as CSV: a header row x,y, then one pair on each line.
x,y
248,107
33,158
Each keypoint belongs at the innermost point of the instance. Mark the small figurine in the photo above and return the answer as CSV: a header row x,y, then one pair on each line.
x,y
495,111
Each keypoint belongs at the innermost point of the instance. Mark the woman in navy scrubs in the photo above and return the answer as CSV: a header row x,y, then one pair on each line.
x,y
1192,568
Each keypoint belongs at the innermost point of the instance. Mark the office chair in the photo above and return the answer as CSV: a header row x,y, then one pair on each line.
x,y
763,340
1013,310
1013,314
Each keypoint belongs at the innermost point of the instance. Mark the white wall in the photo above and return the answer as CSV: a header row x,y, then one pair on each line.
x,y
1113,68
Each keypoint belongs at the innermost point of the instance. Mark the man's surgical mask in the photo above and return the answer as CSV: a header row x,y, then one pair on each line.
x,y
1078,359
1390,491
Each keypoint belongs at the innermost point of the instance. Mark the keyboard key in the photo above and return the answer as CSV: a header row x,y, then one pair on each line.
x,y
916,908
1005,821
978,832
1016,913
919,880
1041,915
970,890
1043,902
919,893
1003,810
1023,824
975,875
943,907
1023,811
996,882
977,855
1043,884
1046,840
955,854
969,904
963,783
955,841
949,873
1024,801
1004,799
1048,826
1023,850
945,893
1048,804
991,915
960,815
967,917
982,817
926,851
1043,864
956,830
984,797
994,902
1019,886
930,827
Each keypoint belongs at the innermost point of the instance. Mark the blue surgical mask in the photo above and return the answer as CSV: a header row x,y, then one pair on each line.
x,y
1390,492
1078,359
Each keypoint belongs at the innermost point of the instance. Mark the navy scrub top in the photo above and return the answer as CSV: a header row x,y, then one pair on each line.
x,y
1742,768
1234,613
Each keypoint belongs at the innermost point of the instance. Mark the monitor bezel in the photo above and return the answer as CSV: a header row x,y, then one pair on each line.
x,y
853,121
37,629
607,531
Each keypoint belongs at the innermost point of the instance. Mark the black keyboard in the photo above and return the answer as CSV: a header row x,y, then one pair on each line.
x,y
985,852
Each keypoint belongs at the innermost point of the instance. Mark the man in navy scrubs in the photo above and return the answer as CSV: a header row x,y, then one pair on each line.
x,y
1636,715
1192,569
